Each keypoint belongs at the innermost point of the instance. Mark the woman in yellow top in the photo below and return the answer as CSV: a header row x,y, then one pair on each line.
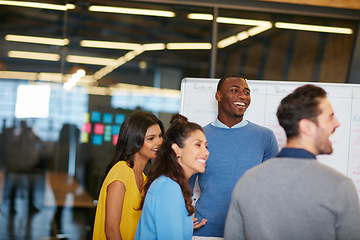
x,y
117,212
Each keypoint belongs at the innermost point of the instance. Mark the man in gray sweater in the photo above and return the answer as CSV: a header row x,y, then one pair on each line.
x,y
293,196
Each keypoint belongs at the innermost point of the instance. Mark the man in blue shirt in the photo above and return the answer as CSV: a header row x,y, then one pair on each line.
x,y
235,145
293,196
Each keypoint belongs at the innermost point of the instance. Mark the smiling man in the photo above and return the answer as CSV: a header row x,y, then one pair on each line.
x,y
293,196
235,145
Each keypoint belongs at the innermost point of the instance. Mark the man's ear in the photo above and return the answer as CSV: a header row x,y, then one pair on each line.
x,y
307,127
176,149
218,96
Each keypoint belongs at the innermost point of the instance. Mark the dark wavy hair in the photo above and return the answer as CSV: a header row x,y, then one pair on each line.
x,y
166,162
131,137
303,103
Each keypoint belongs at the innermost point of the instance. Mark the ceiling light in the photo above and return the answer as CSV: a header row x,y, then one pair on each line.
x,y
38,5
134,11
18,75
227,41
34,55
259,29
117,63
242,36
241,21
153,46
200,16
111,45
75,78
142,65
188,46
315,28
50,77
38,40
89,60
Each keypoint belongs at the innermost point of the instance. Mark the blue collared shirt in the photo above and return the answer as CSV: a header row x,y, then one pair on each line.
x,y
296,153
219,124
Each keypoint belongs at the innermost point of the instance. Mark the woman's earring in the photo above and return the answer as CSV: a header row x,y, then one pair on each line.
x,y
178,157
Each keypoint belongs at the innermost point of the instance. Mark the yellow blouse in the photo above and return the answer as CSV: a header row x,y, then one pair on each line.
x,y
130,216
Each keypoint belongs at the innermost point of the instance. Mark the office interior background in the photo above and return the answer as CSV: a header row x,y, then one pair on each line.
x,y
73,70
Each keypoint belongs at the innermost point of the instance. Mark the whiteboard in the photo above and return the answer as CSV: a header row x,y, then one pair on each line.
x,y
199,105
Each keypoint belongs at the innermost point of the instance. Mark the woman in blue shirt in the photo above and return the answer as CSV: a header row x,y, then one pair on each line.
x,y
166,206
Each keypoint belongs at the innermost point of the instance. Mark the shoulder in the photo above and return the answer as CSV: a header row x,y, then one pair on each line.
x,y
330,173
120,171
120,167
165,185
208,127
256,127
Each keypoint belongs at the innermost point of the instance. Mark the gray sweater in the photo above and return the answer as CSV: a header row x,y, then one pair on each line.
x,y
293,198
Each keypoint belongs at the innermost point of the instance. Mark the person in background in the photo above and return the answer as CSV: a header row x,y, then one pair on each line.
x,y
235,145
167,207
22,148
293,196
140,137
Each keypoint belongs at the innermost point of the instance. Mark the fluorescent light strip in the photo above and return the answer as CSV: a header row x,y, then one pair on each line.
x,y
227,42
18,75
200,16
259,29
133,11
34,55
153,46
284,25
240,21
243,35
117,63
188,46
89,60
111,45
38,5
38,40
314,28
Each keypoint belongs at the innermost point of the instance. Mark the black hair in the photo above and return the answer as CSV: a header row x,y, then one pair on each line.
x,y
230,75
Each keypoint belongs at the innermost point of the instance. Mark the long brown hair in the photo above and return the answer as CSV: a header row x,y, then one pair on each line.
x,y
166,162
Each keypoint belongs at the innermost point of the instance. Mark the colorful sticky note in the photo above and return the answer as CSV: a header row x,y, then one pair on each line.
x,y
86,127
108,129
84,137
99,128
107,137
115,138
107,118
119,118
86,117
115,129
95,116
97,139
108,133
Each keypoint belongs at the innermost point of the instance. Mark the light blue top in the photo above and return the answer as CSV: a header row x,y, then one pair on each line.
x,y
164,215
232,152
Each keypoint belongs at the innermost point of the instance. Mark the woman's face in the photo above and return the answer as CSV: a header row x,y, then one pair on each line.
x,y
152,141
194,154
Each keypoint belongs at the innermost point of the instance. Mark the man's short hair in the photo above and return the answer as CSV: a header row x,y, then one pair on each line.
x,y
300,104
231,75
